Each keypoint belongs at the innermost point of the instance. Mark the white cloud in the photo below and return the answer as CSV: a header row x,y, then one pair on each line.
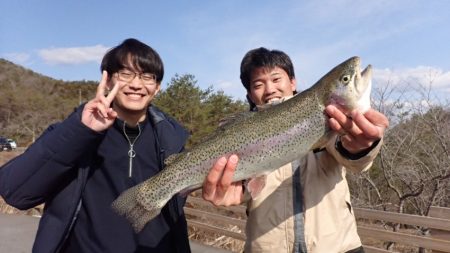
x,y
19,58
73,55
432,77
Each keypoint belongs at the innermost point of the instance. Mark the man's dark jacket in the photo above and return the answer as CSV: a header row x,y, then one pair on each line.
x,y
54,171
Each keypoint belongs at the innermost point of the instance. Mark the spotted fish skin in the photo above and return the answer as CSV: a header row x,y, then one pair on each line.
x,y
264,141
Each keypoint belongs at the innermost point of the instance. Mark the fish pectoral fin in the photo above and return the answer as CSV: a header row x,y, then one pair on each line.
x,y
169,160
255,185
185,192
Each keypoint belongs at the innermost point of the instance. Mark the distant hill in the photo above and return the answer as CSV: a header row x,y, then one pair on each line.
x,y
29,101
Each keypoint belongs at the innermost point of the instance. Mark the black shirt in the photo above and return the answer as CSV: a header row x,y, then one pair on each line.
x,y
98,228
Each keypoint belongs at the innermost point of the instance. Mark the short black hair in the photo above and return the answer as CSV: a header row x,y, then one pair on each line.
x,y
263,57
131,51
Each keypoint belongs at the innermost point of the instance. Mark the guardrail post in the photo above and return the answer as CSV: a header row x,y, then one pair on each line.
x,y
443,213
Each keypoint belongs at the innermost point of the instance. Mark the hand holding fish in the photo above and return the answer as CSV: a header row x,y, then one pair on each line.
x,y
219,188
97,113
359,131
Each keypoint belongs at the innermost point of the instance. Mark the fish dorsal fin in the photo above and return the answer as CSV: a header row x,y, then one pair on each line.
x,y
169,160
224,122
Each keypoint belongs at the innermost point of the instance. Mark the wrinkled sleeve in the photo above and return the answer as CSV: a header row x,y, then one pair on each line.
x,y
355,163
48,164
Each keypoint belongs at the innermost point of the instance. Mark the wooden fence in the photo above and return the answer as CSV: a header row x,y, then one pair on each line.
x,y
230,221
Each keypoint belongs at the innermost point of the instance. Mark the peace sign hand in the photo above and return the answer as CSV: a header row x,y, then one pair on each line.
x,y
97,113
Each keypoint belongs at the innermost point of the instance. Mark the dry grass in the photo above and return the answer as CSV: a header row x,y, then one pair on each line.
x,y
215,239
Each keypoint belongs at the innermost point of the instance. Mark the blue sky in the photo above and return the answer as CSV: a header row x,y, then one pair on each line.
x,y
405,41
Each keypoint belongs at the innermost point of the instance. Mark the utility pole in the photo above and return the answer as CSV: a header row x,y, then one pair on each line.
x,y
79,96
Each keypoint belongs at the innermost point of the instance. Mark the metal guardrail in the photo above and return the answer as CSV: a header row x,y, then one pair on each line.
x,y
203,220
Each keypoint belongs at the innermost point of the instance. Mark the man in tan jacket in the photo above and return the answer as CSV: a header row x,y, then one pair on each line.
x,y
305,205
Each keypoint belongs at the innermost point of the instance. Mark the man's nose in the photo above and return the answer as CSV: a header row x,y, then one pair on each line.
x,y
136,83
269,88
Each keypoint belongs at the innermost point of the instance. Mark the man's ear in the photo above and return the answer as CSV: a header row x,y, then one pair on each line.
x,y
158,88
293,84
249,99
250,102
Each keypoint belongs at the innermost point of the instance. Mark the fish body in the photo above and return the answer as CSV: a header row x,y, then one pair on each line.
x,y
264,141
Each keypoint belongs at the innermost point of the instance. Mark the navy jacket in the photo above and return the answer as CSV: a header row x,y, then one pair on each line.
x,y
54,171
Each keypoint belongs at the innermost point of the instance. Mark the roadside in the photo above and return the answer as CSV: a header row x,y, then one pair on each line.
x,y
17,234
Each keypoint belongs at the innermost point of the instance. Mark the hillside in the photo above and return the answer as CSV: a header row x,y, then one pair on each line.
x,y
29,101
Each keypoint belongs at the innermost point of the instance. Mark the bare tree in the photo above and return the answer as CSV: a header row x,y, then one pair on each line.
x,y
412,171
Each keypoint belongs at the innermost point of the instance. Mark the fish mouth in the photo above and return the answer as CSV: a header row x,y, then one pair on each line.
x,y
364,79
363,87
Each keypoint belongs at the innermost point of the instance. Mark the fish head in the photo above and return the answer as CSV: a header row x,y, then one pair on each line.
x,y
348,87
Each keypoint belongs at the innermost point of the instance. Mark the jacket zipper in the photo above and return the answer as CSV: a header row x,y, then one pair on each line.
x,y
131,152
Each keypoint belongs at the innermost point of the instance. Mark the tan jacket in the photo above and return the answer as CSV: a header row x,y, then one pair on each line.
x,y
327,223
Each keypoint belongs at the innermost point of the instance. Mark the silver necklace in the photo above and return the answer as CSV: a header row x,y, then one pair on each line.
x,y
131,152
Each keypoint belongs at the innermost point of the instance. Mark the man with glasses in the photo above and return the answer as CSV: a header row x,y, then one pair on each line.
x,y
111,143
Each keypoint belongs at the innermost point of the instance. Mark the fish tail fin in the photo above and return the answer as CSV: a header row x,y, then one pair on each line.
x,y
128,205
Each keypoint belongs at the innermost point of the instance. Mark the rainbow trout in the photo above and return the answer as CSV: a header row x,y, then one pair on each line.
x,y
264,141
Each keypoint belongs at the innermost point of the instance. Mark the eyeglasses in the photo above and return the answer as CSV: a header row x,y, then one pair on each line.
x,y
128,76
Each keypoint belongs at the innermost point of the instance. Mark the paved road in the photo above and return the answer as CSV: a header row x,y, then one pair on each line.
x,y
17,234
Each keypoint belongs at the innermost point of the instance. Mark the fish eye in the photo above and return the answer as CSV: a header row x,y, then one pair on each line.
x,y
345,79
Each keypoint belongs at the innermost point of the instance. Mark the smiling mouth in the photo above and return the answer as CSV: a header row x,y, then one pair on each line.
x,y
134,95
272,100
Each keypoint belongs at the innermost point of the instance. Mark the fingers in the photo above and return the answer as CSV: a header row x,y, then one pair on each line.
x,y
102,102
227,177
101,108
101,88
377,118
112,93
218,187
210,183
357,131
371,124
97,113
367,127
340,122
